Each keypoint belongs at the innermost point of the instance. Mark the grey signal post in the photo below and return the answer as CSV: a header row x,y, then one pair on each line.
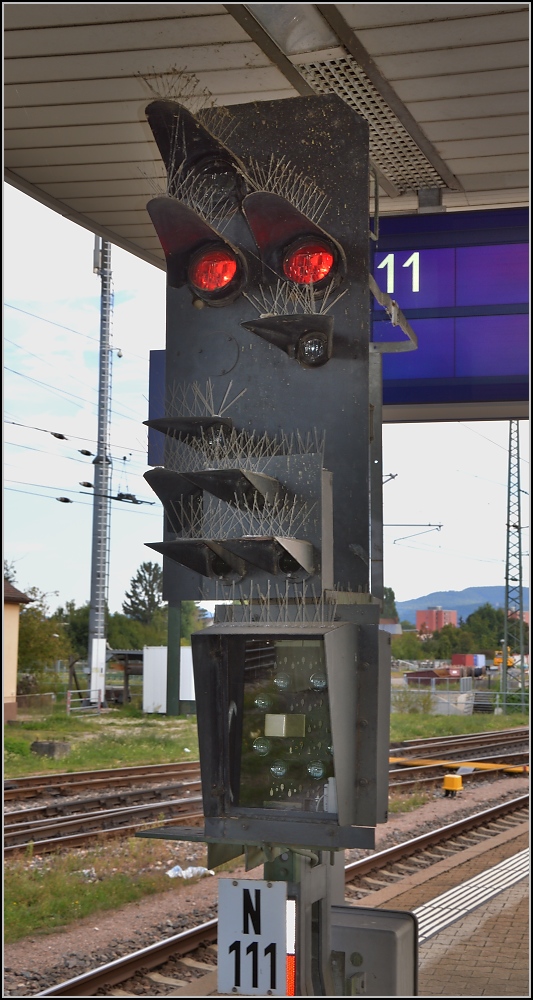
x,y
272,437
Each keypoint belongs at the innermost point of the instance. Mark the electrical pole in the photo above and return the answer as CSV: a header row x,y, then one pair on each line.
x,y
102,483
513,626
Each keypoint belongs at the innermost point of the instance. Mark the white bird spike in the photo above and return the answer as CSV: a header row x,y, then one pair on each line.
x,y
190,399
219,121
179,85
282,299
280,177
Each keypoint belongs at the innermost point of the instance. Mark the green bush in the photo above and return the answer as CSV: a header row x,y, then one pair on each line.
x,y
14,747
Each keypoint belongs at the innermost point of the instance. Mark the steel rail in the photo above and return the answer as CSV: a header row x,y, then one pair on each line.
x,y
518,731
410,847
58,809
39,783
146,958
80,838
122,968
64,781
456,744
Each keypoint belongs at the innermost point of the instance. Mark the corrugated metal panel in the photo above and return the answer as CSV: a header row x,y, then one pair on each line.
x,y
125,37
78,78
31,15
371,15
456,32
459,68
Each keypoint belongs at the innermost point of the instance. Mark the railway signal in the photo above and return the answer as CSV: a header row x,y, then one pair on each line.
x,y
265,487
266,416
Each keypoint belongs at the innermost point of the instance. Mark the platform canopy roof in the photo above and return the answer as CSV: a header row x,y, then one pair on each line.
x,y
444,87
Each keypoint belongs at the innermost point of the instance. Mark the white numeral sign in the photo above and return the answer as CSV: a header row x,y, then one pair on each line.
x,y
252,937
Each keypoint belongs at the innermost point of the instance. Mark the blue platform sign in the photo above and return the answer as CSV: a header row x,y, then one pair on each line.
x,y
462,281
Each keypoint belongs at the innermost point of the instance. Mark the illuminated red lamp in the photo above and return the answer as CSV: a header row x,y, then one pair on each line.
x,y
213,269
308,263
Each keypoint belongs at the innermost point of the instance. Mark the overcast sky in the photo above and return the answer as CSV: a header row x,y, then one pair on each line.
x,y
454,474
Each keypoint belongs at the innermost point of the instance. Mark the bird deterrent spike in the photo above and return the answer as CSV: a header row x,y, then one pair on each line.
x,y
218,121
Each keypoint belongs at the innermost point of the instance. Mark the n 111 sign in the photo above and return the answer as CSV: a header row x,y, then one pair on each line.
x,y
252,937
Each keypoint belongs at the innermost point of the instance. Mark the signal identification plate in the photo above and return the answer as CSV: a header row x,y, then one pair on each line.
x,y
252,934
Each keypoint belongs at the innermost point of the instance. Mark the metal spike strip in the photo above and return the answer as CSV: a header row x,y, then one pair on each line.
x,y
190,399
219,121
178,85
198,192
282,299
219,520
293,604
281,178
239,449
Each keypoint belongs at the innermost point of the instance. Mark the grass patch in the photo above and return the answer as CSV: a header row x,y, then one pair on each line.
x,y
123,737
42,894
118,738
407,803
417,726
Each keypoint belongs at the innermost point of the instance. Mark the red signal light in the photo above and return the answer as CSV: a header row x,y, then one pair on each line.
x,y
309,263
213,269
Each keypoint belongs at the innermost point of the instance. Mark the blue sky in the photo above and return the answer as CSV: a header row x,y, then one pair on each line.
x,y
449,473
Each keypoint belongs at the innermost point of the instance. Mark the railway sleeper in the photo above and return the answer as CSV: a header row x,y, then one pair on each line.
x,y
156,977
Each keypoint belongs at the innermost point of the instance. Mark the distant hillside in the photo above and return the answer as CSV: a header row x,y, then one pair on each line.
x,y
462,601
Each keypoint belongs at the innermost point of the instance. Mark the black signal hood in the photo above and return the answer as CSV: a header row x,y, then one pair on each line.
x,y
192,429
203,556
276,225
185,144
182,232
308,338
291,557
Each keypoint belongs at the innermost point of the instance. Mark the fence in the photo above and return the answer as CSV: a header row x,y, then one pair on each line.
x,y
84,701
454,698
43,703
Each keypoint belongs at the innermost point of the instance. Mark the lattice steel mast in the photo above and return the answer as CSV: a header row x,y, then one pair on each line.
x,y
102,481
513,628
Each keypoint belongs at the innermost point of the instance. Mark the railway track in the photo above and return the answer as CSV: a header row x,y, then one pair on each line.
x,y
62,820
508,737
191,955
75,782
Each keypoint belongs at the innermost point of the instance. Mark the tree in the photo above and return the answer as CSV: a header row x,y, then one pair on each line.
x,y
486,625
42,640
408,647
144,599
448,640
75,622
190,619
389,604
9,572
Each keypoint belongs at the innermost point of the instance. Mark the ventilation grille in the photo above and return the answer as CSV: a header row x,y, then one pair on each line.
x,y
392,150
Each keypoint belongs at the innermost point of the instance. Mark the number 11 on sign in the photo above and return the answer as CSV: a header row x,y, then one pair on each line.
x,y
252,937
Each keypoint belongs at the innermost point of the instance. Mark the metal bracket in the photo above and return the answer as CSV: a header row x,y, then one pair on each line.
x,y
374,233
397,319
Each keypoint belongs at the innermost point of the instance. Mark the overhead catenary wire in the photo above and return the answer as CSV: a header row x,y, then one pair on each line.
x,y
75,437
44,496
64,392
61,326
66,489
67,458
51,364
